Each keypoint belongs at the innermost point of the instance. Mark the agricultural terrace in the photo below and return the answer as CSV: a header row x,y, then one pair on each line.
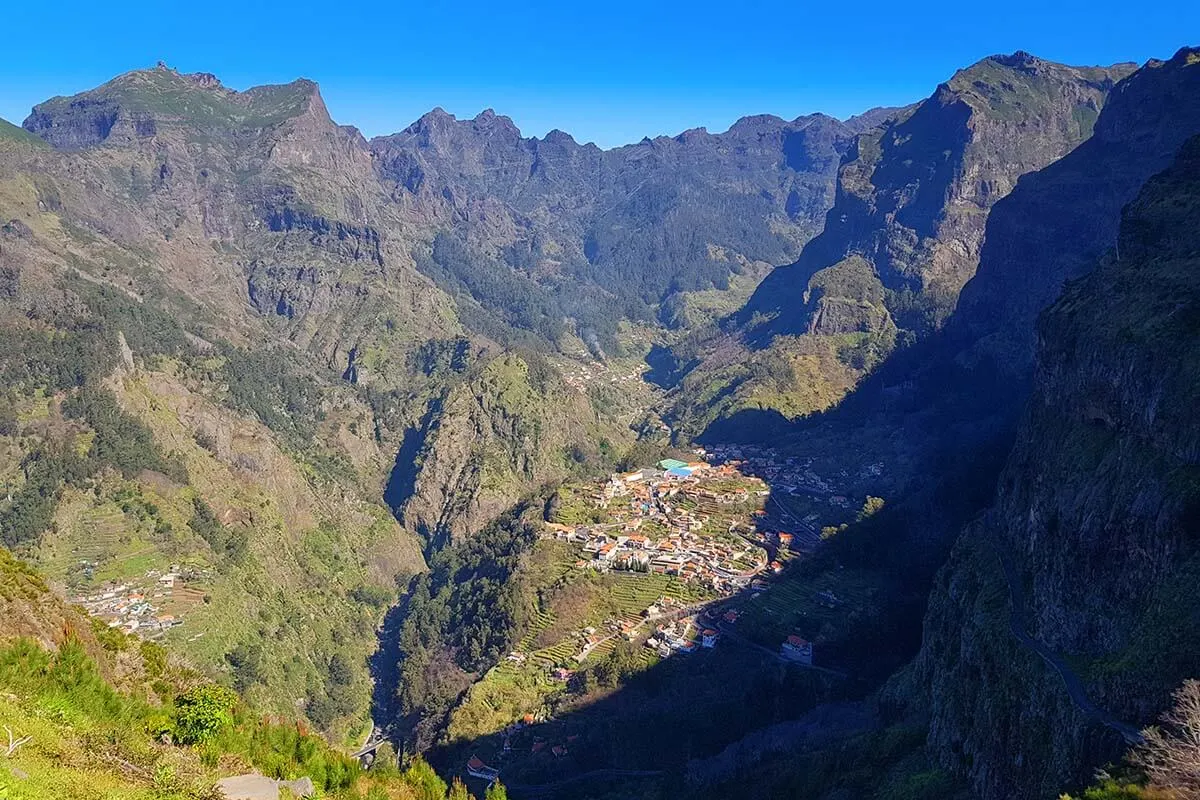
x,y
583,614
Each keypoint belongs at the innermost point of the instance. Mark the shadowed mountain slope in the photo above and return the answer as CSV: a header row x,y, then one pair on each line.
x,y
903,237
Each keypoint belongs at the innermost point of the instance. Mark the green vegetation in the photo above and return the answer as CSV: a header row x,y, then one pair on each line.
x,y
1117,789
121,441
519,301
202,713
89,739
100,492
222,540
465,612
103,715
16,134
32,508
166,96
268,384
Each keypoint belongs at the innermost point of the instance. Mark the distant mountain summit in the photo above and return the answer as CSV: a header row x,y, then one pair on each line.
x,y
905,231
914,196
135,104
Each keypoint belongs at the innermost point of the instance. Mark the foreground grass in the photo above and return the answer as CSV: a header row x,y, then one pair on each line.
x,y
85,739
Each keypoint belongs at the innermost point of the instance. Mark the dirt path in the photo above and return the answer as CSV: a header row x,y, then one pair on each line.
x,y
259,787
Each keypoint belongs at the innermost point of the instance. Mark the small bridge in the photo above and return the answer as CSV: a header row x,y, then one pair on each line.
x,y
369,748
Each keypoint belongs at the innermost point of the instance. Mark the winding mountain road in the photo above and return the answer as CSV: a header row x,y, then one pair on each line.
x,y
1071,681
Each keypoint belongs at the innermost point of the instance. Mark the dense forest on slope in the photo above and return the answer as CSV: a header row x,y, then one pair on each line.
x,y
462,616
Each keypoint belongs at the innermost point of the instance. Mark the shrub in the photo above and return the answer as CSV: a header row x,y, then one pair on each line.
x,y
371,595
203,712
245,660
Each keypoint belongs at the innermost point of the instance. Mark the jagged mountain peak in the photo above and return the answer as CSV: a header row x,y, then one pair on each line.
x,y
756,122
874,117
691,134
560,137
1018,59
489,117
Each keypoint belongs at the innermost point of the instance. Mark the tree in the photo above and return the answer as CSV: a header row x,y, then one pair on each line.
x,y
830,531
9,424
496,791
385,764
202,712
1171,753
246,662
340,671
421,777
871,507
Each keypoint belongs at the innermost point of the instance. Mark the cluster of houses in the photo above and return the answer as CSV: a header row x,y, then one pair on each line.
x,y
581,374
683,635
684,519
136,607
517,739
791,475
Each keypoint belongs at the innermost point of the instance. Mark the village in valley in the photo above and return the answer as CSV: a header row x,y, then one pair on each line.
x,y
717,520
691,520
671,557
147,607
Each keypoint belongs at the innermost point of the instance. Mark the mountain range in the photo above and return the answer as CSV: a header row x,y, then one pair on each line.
x,y
332,384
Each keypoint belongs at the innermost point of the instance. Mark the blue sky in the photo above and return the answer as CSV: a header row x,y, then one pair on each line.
x,y
609,72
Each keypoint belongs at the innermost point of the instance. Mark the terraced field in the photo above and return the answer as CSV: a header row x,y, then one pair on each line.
x,y
543,620
511,690
793,602
632,593
556,655
99,534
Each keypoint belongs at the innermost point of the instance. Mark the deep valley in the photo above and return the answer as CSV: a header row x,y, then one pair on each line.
x,y
815,458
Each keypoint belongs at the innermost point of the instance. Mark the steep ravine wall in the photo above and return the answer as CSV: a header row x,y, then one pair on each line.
x,y
1096,514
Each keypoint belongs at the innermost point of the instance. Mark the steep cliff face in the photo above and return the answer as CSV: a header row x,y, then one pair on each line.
x,y
913,196
1060,220
1066,616
970,381
905,232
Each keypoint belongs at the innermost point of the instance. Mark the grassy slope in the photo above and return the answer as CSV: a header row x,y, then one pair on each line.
x,y
101,710
10,133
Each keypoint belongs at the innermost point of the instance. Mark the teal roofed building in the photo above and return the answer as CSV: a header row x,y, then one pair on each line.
x,y
671,463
